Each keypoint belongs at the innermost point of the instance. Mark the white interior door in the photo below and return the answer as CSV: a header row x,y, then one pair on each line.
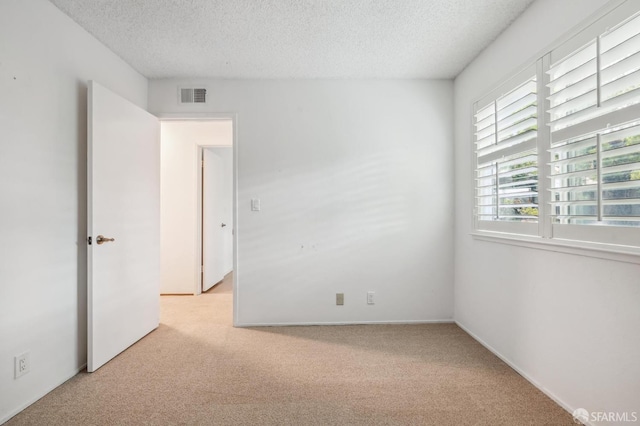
x,y
213,218
124,204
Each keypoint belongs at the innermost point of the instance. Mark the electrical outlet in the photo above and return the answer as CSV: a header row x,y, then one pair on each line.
x,y
22,364
371,298
340,299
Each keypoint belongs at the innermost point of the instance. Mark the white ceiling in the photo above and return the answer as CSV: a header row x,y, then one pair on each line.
x,y
295,38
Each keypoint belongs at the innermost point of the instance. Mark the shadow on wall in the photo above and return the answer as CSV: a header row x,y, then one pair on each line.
x,y
346,210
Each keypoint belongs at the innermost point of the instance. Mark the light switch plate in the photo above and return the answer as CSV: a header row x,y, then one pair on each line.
x,y
255,204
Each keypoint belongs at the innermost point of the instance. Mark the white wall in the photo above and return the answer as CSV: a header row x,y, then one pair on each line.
x,y
355,179
180,144
570,323
45,62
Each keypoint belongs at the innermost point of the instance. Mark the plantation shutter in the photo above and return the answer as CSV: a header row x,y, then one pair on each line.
x,y
594,119
506,131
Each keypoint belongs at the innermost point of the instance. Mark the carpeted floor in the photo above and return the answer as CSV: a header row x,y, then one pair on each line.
x,y
196,369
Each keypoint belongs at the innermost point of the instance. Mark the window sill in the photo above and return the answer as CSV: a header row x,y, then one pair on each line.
x,y
619,253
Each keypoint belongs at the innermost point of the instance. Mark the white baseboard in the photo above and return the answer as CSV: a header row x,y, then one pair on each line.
x,y
298,324
518,370
17,410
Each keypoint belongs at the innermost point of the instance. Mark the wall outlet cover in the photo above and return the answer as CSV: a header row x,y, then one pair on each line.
x,y
340,299
22,365
371,298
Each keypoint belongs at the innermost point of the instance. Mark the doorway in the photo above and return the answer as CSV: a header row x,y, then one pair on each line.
x,y
185,142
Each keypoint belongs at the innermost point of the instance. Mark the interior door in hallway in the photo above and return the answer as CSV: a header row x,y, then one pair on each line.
x,y
123,174
214,220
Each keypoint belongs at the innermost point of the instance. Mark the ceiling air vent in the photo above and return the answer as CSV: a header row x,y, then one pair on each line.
x,y
193,95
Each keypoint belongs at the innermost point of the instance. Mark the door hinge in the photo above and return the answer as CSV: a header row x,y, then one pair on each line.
x,y
89,240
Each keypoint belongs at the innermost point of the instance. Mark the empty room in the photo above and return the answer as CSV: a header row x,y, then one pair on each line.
x,y
319,212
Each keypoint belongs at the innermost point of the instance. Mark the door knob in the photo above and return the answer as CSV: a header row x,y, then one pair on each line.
x,y
101,239
223,225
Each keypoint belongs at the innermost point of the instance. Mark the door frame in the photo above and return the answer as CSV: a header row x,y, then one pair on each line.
x,y
233,117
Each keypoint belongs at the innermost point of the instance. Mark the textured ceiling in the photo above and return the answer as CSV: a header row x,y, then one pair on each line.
x,y
295,38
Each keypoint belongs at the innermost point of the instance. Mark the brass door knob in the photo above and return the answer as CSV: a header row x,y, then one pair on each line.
x,y
101,239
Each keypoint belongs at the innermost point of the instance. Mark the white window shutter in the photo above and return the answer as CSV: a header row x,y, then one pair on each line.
x,y
594,119
506,129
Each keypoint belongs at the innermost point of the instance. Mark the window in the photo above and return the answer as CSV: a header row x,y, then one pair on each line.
x,y
506,130
560,147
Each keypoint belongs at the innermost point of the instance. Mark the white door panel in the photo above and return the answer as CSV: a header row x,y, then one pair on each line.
x,y
213,218
123,203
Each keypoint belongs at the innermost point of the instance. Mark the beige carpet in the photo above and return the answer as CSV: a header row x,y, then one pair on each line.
x,y
198,370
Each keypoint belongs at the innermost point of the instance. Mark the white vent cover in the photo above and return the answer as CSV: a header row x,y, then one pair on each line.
x,y
190,95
